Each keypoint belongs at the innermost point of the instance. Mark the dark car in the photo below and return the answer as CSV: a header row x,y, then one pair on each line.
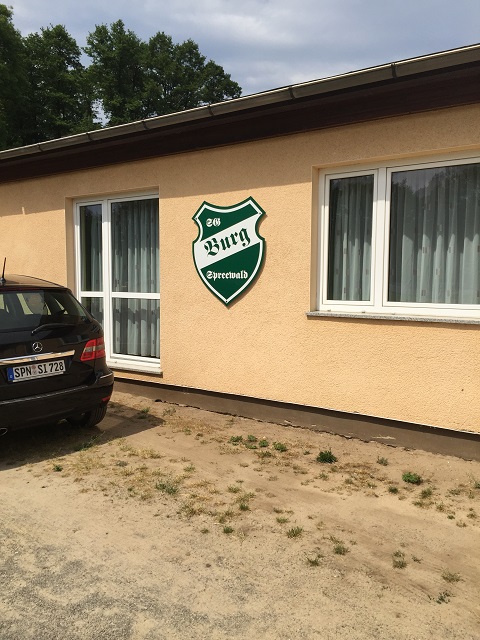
x,y
52,357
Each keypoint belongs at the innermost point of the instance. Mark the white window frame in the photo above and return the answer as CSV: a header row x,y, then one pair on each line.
x,y
379,305
115,360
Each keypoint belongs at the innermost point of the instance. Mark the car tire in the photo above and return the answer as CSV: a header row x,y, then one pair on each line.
x,y
89,418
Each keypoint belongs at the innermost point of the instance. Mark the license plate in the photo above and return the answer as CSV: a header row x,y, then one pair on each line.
x,y
35,370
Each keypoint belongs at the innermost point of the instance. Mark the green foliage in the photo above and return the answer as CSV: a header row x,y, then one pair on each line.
x,y
326,457
46,92
412,478
59,99
13,81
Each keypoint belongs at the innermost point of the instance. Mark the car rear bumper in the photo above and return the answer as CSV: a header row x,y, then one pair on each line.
x,y
52,407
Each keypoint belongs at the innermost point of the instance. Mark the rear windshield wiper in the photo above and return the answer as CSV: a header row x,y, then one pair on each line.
x,y
51,325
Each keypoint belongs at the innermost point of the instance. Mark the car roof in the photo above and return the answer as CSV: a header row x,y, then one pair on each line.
x,y
27,282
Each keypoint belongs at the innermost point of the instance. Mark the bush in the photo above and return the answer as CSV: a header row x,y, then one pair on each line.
x,y
326,457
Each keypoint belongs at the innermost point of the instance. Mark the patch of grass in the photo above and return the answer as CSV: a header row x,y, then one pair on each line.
x,y
265,454
450,577
251,438
326,457
263,443
443,597
339,547
426,493
168,486
244,506
382,461
315,561
455,492
169,411
294,532
476,484
236,439
234,489
282,520
227,529
412,478
280,446
398,560
57,467
88,444
225,516
392,489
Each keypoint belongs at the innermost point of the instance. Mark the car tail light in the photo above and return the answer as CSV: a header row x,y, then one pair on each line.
x,y
93,349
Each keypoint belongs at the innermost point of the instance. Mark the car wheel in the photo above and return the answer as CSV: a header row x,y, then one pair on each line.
x,y
89,418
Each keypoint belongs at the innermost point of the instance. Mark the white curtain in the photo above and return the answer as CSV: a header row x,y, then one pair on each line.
x,y
135,269
350,238
136,327
435,235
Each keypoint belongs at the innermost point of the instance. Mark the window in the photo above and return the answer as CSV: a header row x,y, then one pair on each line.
x,y
401,240
118,279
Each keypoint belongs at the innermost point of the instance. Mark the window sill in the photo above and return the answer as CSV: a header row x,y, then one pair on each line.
x,y
387,316
135,367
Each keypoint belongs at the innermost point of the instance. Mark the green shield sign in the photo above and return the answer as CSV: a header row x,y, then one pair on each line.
x,y
228,251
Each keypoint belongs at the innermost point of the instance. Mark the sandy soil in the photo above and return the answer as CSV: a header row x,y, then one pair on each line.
x,y
169,522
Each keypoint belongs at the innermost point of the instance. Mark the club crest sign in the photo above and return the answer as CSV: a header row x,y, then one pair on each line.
x,y
228,251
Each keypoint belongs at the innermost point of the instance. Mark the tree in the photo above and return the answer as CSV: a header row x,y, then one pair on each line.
x,y
136,80
117,72
178,77
46,92
13,81
59,98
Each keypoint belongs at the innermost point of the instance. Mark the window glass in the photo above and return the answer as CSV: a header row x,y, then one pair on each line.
x,y
95,307
434,252
350,238
91,247
21,310
135,246
136,327
425,260
119,281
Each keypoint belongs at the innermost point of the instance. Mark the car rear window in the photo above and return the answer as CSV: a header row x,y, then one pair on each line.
x,y
20,310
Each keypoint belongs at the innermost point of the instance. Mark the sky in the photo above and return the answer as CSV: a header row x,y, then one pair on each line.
x,y
266,44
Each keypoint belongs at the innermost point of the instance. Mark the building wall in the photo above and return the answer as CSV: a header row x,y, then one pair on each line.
x,y
264,345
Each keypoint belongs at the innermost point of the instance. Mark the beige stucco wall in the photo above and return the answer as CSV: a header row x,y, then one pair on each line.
x,y
264,345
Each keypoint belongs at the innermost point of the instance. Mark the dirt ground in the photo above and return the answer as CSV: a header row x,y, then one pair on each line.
x,y
168,522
